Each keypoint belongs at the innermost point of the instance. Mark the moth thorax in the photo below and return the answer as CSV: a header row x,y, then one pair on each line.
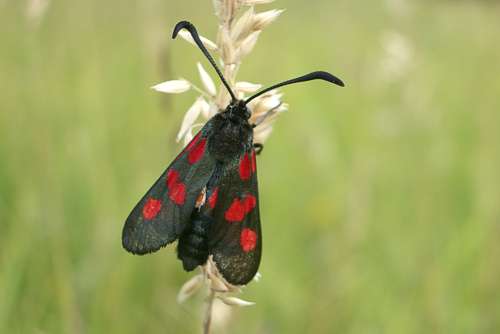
x,y
230,137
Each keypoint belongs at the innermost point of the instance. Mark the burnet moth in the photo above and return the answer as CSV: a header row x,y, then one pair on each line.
x,y
207,198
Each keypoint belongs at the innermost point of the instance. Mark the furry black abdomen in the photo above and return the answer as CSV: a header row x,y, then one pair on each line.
x,y
192,248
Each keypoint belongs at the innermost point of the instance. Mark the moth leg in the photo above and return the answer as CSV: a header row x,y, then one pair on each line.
x,y
258,148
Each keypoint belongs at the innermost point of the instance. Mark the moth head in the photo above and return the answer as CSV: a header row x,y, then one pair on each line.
x,y
238,109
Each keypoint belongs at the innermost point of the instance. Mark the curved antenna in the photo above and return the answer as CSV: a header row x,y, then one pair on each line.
x,y
194,33
308,77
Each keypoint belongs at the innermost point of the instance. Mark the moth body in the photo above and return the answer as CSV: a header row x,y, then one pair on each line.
x,y
229,136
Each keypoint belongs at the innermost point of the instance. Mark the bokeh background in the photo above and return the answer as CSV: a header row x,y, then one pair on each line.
x,y
380,202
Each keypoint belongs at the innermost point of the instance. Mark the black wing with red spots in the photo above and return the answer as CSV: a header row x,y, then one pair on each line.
x,y
164,211
235,239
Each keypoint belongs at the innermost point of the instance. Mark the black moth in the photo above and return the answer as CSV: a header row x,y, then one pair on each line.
x,y
207,198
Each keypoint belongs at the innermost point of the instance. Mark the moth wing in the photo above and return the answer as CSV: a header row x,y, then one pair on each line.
x,y
163,212
235,239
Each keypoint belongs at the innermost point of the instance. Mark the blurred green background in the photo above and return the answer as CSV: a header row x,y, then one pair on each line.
x,y
380,202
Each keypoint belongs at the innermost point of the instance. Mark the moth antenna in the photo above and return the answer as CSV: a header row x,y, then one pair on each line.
x,y
194,33
308,77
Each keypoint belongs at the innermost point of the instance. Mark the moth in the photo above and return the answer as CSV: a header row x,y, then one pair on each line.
x,y
208,198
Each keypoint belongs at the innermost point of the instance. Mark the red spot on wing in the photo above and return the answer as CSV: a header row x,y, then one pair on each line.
x,y
197,151
177,193
193,142
245,167
254,162
239,209
248,240
212,200
151,208
176,189
236,212
189,146
249,203
172,177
